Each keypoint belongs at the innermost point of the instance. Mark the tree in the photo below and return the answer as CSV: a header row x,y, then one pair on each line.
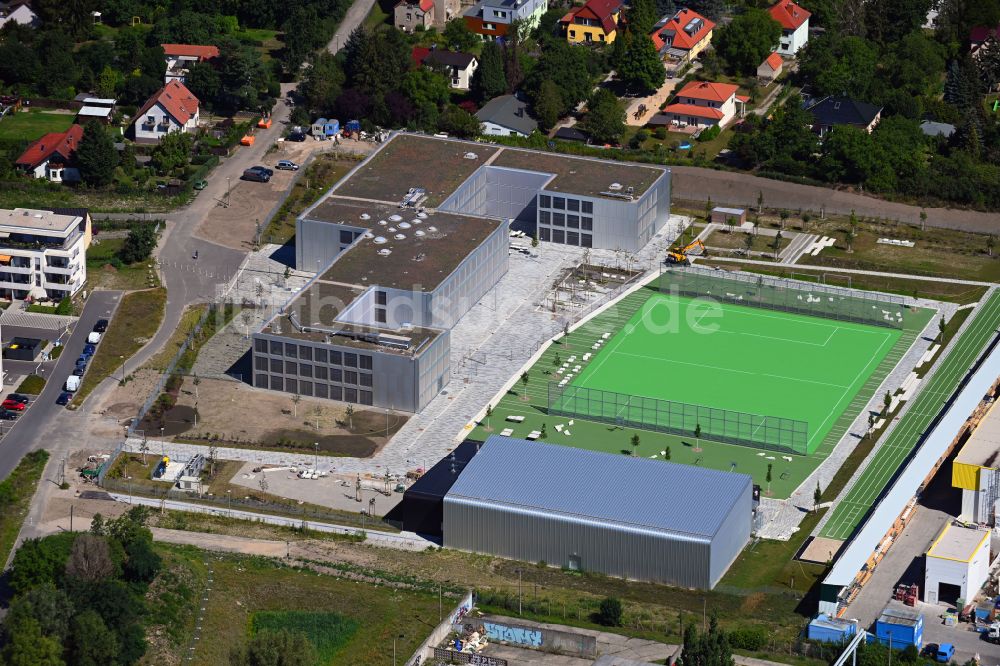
x,y
143,562
886,402
40,561
605,119
609,613
817,496
203,82
941,326
748,39
666,453
96,155
28,646
730,223
108,82
871,421
568,67
768,478
777,242
49,607
457,35
847,155
709,649
713,9
242,76
296,399
548,105
322,84
275,648
349,412
90,560
172,152
524,383
835,64
641,16
489,414
139,244
635,443
456,121
639,67
748,242
489,80
91,642
697,437
990,244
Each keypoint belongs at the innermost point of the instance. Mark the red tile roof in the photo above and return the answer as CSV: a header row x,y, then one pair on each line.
x,y
418,54
602,10
743,98
789,14
191,51
175,99
426,5
711,92
693,110
774,61
981,33
63,143
681,38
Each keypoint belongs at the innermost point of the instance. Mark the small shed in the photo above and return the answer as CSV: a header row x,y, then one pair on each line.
x,y
828,629
22,349
331,128
957,565
771,68
899,626
720,215
318,128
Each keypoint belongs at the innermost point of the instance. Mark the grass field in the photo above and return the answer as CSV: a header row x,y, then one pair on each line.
x,y
328,632
761,361
33,124
853,508
16,492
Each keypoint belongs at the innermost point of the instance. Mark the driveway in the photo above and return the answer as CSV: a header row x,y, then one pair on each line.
x,y
25,435
354,17
740,189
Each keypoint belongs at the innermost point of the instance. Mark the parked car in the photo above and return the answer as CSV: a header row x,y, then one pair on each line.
x,y
89,349
64,398
8,414
19,397
101,326
12,404
298,137
200,184
944,653
83,360
72,383
94,337
287,165
79,370
256,175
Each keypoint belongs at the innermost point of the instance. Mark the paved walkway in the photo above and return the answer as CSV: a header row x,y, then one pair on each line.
x,y
46,322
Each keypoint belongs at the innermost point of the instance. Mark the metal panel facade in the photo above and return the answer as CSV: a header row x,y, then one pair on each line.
x,y
622,516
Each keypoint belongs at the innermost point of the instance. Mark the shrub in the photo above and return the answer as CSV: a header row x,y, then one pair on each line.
x,y
660,133
610,612
753,637
710,133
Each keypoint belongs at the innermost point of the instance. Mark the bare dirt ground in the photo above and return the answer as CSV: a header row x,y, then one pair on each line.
x,y
123,402
252,203
337,491
241,414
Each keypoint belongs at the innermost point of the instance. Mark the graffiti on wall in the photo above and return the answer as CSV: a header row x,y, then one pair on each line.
x,y
516,635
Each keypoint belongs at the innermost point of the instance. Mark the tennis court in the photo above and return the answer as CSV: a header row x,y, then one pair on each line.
x,y
899,445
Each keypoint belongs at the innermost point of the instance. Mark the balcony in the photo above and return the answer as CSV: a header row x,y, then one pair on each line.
x,y
56,279
69,269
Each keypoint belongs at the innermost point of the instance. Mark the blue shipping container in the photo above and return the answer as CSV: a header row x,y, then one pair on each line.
x,y
332,127
831,630
900,626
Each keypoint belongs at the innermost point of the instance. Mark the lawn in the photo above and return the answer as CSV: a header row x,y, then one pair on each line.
x,y
736,240
268,41
33,124
248,592
188,320
105,270
16,492
32,385
136,321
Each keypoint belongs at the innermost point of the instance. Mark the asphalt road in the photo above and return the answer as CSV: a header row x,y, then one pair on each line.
x,y
25,434
740,189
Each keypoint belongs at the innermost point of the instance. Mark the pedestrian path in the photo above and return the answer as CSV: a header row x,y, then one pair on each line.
x,y
39,320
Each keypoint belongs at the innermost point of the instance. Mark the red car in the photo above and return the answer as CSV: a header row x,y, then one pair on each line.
x,y
13,404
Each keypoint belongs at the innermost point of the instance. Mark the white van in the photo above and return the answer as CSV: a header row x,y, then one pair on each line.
x,y
72,383
94,337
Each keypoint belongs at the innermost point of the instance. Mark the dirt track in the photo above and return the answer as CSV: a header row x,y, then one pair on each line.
x,y
739,189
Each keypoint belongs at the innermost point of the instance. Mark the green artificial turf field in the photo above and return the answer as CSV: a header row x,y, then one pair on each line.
x,y
737,358
727,368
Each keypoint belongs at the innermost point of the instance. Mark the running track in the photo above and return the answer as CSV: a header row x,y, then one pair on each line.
x,y
851,510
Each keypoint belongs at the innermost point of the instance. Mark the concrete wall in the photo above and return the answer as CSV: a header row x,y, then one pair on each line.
x,y
426,650
504,630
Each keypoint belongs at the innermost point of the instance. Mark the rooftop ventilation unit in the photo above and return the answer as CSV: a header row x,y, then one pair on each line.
x,y
383,222
418,233
422,215
380,240
365,216
369,235
404,225
395,341
432,229
384,252
395,218
417,220
471,156
614,187
400,236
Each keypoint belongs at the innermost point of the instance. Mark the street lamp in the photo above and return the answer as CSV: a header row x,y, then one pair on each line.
x,y
229,496
394,648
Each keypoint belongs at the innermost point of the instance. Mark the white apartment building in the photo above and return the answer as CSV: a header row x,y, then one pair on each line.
x,y
42,253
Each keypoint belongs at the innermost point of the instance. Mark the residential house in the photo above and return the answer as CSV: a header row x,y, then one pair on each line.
x,y
457,66
794,22
43,253
681,37
979,35
832,111
181,57
20,13
703,104
506,116
490,19
770,69
51,156
596,22
171,109
408,15
101,109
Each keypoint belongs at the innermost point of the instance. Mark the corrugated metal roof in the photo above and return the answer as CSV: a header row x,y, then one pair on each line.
x,y
653,494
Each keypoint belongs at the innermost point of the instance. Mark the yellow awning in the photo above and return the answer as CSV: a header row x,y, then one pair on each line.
x,y
4,258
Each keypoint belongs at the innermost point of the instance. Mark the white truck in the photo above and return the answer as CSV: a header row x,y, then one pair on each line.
x,y
72,383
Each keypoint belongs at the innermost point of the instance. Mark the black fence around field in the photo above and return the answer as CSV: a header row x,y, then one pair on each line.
x,y
781,294
678,418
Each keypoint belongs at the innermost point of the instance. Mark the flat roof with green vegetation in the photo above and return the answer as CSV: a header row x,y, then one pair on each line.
x,y
765,362
896,449
581,175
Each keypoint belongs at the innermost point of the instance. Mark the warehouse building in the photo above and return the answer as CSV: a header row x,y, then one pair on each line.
x,y
976,471
412,238
957,565
588,511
